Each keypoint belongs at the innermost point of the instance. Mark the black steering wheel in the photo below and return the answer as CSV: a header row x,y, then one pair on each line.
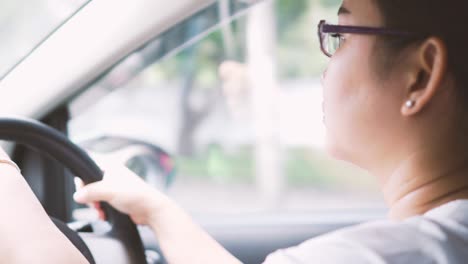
x,y
124,233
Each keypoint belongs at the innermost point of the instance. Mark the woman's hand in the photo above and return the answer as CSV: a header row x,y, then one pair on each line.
x,y
125,191
174,229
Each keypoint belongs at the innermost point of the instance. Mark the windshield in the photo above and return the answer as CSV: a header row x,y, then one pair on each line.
x,y
24,24
234,94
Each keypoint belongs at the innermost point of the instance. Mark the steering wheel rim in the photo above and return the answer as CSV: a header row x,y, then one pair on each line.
x,y
56,145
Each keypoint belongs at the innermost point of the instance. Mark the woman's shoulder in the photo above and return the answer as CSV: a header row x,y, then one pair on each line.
x,y
439,236
450,219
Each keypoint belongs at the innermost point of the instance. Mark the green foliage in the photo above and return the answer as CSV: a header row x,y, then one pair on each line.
x,y
330,3
289,12
219,165
299,54
203,57
310,167
302,168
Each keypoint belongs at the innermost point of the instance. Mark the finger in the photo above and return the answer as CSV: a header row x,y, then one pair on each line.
x,y
100,211
93,192
78,183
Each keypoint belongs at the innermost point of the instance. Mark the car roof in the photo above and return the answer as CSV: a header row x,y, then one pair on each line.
x,y
92,41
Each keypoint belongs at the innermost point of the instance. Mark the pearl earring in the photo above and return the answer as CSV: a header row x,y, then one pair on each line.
x,y
410,104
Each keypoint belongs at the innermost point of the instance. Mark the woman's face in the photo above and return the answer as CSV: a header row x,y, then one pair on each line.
x,y
360,109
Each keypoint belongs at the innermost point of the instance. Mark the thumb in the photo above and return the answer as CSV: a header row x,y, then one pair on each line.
x,y
93,192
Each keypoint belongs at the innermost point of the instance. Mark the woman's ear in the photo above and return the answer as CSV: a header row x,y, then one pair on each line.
x,y
428,70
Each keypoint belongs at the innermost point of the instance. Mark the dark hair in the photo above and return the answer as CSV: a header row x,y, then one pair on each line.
x,y
446,19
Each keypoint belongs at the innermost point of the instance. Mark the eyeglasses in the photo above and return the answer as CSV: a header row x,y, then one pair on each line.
x,y
331,37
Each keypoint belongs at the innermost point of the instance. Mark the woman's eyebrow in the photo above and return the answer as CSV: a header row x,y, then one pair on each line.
x,y
343,11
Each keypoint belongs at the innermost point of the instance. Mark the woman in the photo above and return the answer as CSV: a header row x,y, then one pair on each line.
x,y
395,104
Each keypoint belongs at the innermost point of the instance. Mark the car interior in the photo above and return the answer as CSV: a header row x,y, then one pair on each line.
x,y
90,55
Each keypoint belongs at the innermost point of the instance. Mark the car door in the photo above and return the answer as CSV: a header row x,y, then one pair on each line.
x,y
233,93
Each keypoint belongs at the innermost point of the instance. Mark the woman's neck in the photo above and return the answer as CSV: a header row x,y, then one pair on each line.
x,y
427,179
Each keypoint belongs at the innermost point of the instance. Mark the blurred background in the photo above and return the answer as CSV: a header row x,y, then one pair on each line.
x,y
233,94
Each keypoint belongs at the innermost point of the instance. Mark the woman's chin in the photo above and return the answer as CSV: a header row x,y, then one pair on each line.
x,y
334,150
331,148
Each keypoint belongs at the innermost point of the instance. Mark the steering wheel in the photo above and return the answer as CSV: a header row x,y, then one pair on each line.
x,y
123,239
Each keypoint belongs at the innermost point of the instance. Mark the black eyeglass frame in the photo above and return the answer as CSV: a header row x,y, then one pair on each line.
x,y
324,28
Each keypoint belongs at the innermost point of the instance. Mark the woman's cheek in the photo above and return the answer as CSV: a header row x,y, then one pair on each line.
x,y
340,98
336,93
334,116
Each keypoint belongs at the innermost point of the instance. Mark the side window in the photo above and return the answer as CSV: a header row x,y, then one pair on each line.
x,y
239,108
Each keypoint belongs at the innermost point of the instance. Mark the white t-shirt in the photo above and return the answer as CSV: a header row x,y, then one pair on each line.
x,y
439,236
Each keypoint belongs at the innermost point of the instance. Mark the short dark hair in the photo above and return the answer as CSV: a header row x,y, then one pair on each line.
x,y
446,19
